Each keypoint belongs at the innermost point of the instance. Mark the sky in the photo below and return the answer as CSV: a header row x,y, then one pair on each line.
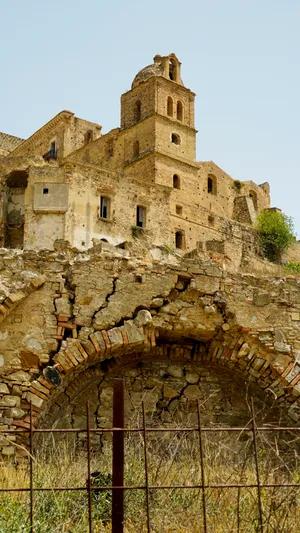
x,y
241,58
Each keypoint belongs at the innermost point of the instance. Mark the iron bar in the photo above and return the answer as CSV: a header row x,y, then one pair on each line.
x,y
150,430
157,487
88,434
202,469
31,470
146,469
118,457
260,510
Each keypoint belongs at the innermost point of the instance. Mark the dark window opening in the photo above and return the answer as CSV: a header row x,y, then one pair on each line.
x,y
211,185
52,153
140,216
178,210
179,239
137,111
172,70
175,138
89,136
45,191
104,207
176,182
136,148
17,179
179,111
170,106
211,220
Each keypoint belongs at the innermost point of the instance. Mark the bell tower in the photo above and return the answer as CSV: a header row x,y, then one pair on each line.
x,y
157,122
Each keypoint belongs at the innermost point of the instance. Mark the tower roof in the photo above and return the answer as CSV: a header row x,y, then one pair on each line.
x,y
160,67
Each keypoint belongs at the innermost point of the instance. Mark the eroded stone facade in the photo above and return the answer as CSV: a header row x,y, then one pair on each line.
x,y
141,180
122,255
177,329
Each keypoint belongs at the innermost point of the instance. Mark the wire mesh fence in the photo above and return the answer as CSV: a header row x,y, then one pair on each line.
x,y
114,488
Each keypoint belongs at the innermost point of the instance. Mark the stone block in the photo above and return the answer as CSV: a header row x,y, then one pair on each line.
x,y
135,337
192,392
206,284
175,371
115,337
280,363
143,318
282,347
34,399
4,388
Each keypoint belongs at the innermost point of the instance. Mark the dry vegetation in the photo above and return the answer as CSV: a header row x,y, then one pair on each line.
x,y
173,459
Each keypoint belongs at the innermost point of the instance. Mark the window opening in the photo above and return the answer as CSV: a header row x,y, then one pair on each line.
x,y
179,110
179,239
170,106
211,185
137,111
89,135
178,210
176,181
253,195
140,216
172,70
175,138
136,148
104,207
53,149
45,191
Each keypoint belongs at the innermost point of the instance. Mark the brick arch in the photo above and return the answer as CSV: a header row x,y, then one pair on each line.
x,y
236,350
15,298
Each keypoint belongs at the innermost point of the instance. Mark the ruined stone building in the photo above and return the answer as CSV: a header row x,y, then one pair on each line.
x,y
141,180
167,300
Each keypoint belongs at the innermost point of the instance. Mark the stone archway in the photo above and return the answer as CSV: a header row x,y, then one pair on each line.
x,y
101,314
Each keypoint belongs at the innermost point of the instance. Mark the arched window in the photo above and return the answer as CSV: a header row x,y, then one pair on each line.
x,y
175,138
172,70
179,240
176,181
179,110
253,195
212,184
136,148
137,111
170,106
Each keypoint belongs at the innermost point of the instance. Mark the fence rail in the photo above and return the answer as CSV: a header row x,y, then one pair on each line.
x,y
117,487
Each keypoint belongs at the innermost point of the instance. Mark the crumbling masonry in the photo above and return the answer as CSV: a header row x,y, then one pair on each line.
x,y
123,255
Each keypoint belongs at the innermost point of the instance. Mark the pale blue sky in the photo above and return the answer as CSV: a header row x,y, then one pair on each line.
x,y
241,57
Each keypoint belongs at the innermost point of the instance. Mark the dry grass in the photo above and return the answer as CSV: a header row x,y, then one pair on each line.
x,y
173,459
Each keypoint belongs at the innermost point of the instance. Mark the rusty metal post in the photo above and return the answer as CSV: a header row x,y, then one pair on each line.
x,y
118,457
146,470
88,442
31,470
260,510
202,469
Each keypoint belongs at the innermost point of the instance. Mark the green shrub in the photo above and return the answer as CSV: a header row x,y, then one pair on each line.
x,y
294,267
276,233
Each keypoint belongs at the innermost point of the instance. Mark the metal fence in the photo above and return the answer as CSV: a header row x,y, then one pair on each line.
x,y
118,431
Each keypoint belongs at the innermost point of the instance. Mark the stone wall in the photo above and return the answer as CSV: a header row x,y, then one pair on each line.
x,y
70,321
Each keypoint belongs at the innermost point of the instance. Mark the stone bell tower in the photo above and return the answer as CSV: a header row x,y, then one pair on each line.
x,y
157,121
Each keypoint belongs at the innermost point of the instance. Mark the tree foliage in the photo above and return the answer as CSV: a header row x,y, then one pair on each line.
x,y
276,233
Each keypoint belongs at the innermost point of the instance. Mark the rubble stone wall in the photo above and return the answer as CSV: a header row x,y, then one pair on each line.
x,y
70,321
